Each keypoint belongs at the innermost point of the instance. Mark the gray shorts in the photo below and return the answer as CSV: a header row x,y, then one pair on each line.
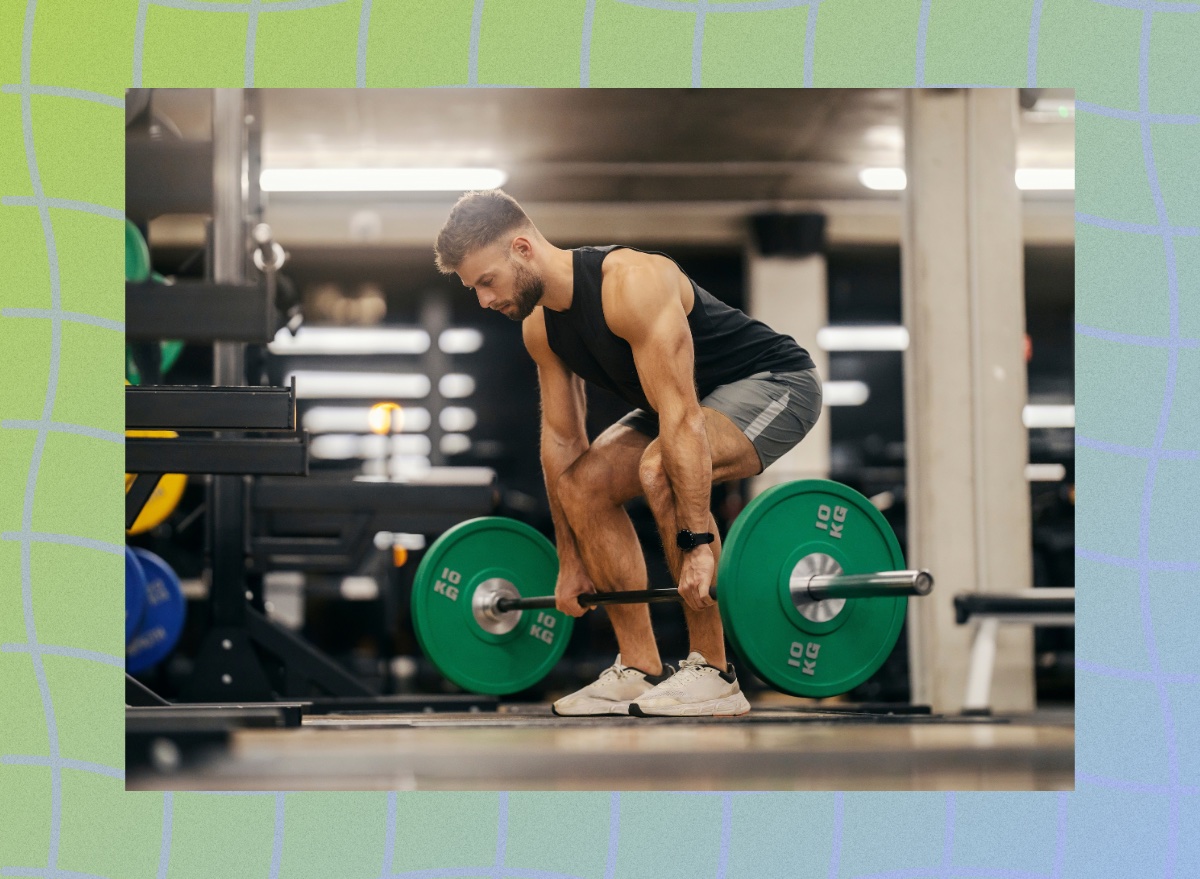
x,y
775,410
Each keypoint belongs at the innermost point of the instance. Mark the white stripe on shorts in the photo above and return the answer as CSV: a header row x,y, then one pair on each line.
x,y
759,424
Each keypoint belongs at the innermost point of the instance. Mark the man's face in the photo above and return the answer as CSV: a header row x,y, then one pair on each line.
x,y
502,282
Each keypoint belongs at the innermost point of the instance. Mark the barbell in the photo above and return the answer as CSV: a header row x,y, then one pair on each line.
x,y
812,595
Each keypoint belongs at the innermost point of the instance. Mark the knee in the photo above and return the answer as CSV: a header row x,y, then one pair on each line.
x,y
581,485
653,476
570,489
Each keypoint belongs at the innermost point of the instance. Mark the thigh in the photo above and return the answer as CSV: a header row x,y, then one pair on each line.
x,y
733,456
772,412
610,465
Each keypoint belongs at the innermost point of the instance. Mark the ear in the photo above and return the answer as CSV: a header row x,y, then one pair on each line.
x,y
522,246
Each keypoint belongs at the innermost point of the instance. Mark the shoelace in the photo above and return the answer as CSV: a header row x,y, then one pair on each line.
x,y
688,670
618,671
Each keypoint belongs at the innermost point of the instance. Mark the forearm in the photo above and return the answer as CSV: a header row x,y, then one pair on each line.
x,y
557,456
687,461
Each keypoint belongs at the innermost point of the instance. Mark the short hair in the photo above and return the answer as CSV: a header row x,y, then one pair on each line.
x,y
479,219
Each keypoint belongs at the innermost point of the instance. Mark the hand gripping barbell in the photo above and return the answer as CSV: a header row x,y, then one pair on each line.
x,y
812,595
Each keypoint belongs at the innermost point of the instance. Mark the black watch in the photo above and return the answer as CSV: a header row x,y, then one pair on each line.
x,y
689,540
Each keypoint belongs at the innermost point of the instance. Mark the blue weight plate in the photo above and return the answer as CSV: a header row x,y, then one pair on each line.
x,y
162,621
135,593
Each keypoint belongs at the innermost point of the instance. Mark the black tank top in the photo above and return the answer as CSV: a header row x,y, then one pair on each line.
x,y
728,345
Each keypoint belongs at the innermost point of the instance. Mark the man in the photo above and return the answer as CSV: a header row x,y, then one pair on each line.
x,y
717,397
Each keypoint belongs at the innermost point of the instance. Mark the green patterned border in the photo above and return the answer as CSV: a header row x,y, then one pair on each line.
x,y
64,65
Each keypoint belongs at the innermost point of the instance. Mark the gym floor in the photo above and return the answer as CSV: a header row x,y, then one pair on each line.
x,y
780,745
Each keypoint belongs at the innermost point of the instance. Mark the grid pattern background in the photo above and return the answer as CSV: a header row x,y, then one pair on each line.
x,y
64,65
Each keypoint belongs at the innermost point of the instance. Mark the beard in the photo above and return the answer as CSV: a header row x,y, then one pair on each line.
x,y
529,291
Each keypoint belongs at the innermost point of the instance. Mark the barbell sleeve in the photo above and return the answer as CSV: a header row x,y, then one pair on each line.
x,y
880,585
884,584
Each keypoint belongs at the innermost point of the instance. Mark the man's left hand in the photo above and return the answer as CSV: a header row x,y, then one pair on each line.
x,y
696,577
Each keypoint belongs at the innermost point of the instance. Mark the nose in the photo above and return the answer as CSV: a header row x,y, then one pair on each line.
x,y
486,299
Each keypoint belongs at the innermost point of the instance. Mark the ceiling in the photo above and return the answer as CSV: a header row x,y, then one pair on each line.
x,y
609,145
649,167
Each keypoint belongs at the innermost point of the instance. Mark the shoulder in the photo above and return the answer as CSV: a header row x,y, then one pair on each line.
x,y
640,289
624,260
632,279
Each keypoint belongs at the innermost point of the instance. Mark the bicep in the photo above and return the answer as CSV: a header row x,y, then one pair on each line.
x,y
563,402
562,392
665,363
661,340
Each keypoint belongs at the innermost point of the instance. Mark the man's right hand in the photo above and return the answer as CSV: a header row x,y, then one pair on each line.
x,y
568,588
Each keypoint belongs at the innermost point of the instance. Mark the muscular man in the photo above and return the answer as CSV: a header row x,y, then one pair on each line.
x,y
717,396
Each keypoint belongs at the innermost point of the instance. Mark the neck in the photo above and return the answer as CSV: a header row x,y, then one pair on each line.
x,y
558,280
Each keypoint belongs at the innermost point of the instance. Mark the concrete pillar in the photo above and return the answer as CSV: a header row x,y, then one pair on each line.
x,y
790,294
965,384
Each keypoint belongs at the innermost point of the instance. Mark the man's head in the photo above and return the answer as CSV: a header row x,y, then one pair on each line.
x,y
491,245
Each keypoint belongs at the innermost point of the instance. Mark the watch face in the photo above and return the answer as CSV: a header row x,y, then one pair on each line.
x,y
690,539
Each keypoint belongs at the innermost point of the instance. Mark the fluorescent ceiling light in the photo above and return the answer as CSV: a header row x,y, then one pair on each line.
x,y
348,340
357,419
880,338
336,419
316,384
1045,472
455,385
460,341
380,179
373,446
883,178
1052,415
334,446
845,393
455,444
1045,178
343,446
457,419
1026,178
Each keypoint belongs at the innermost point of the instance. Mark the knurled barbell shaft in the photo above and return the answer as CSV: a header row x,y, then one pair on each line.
x,y
885,584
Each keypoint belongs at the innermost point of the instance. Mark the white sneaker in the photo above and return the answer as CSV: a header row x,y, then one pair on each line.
x,y
611,693
697,689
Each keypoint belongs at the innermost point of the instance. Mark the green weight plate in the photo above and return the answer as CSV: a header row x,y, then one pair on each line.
x,y
137,254
792,653
474,552
171,349
132,374
170,353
